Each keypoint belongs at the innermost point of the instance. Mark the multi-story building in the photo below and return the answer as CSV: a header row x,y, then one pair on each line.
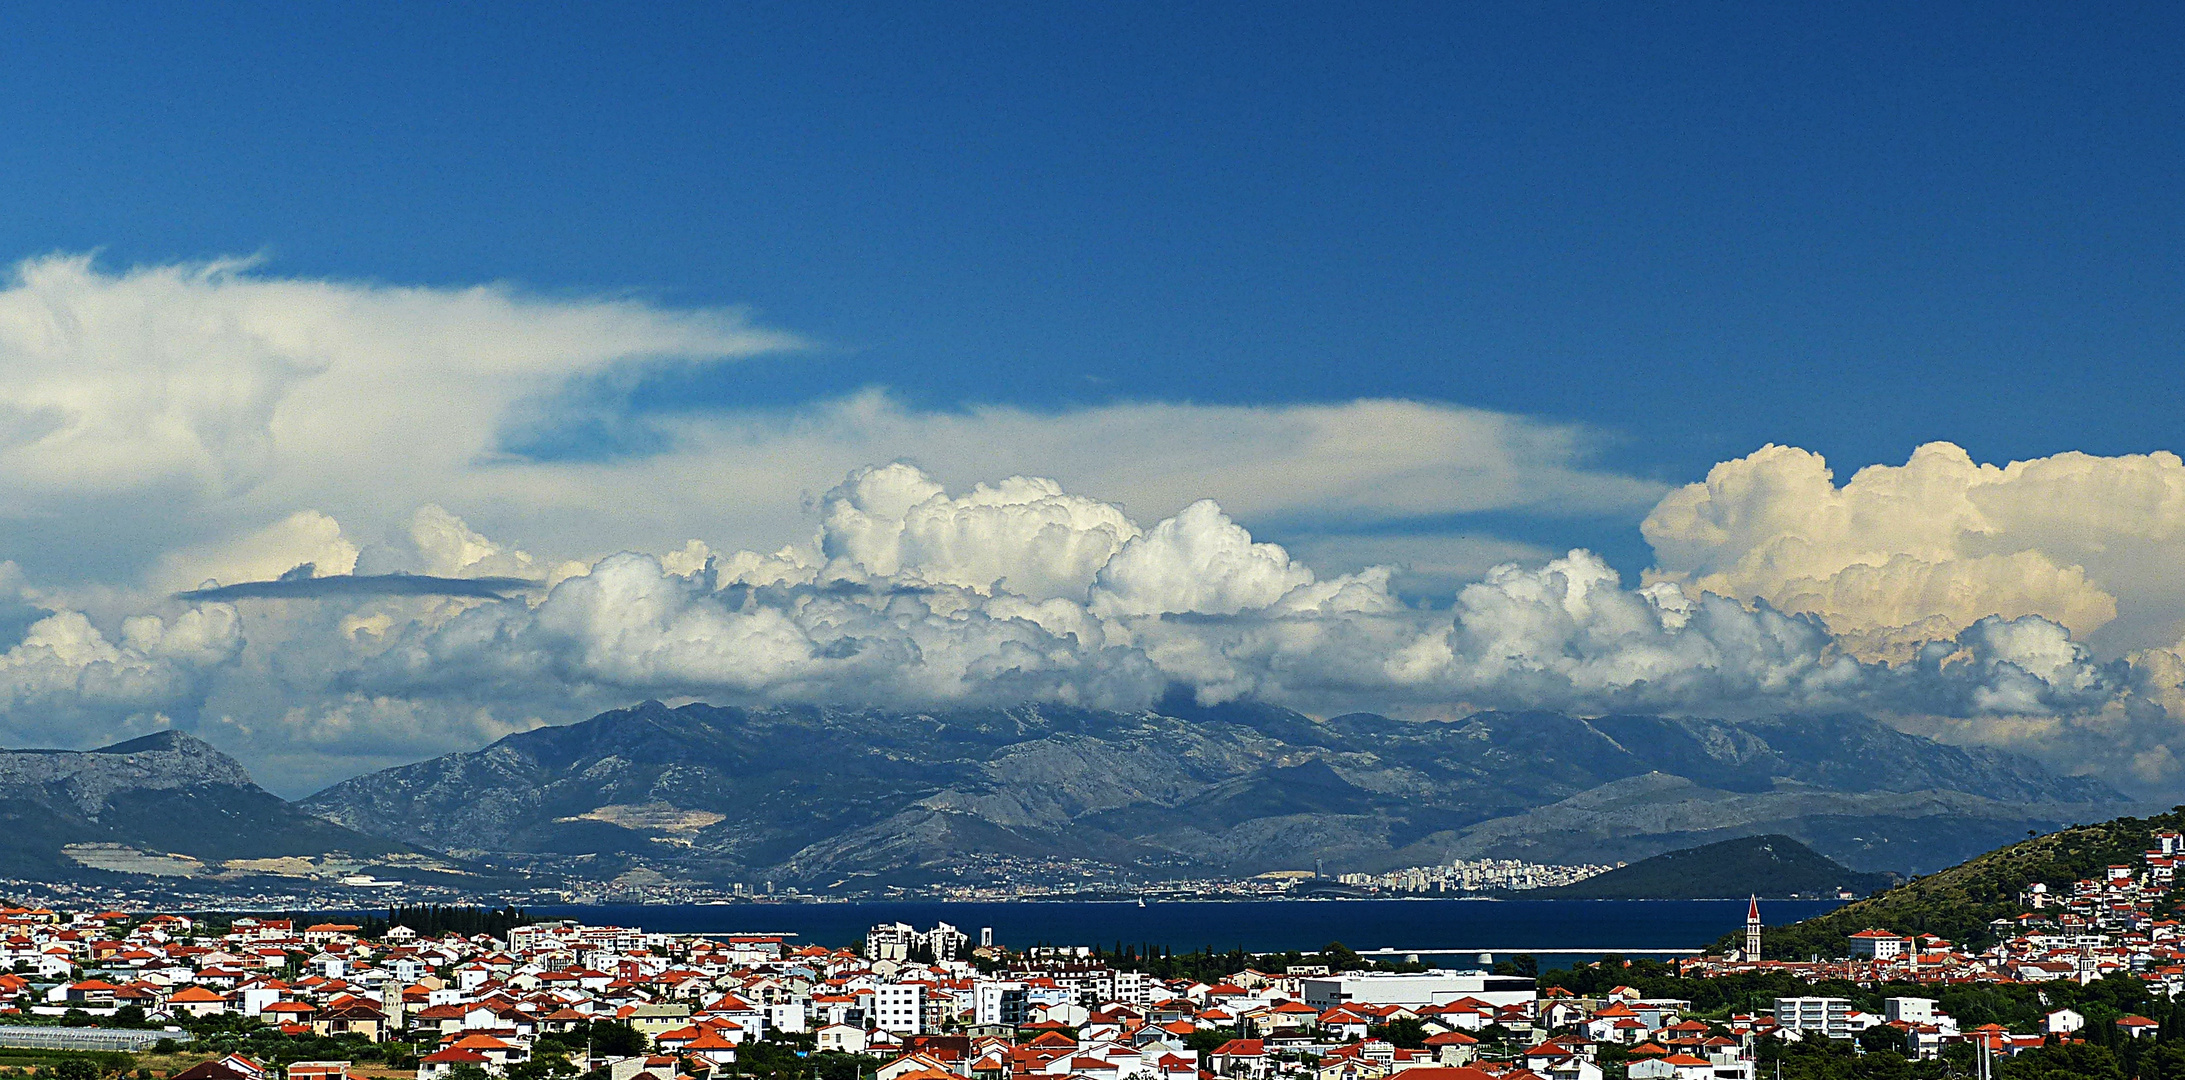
x,y
1000,1003
1828,1016
900,1008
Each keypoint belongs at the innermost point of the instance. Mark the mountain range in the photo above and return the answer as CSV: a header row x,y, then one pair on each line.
x,y
823,797
170,805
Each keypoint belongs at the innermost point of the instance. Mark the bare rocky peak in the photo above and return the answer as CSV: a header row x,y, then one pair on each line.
x,y
160,761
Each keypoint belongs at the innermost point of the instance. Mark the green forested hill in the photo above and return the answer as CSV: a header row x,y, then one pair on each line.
x,y
1958,903
1772,866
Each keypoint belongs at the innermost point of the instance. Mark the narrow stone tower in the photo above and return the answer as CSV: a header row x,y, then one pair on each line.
x,y
390,1003
1752,930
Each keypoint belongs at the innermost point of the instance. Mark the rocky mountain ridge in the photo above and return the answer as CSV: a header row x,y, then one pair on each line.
x,y
819,796
167,804
161,761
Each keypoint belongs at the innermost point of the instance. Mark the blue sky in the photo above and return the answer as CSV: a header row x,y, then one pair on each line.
x,y
1434,285
1699,227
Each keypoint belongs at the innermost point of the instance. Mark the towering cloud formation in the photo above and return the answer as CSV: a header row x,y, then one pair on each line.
x,y
909,596
1022,536
2022,567
1904,554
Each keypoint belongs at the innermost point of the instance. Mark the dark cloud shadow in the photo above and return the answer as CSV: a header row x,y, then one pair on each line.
x,y
298,587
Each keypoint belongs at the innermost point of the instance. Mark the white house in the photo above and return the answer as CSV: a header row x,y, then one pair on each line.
x,y
840,1039
1672,1067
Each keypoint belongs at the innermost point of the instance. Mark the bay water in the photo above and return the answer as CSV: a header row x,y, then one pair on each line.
x,y
1499,927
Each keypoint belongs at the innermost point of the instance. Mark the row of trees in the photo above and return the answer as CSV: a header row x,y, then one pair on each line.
x,y
430,920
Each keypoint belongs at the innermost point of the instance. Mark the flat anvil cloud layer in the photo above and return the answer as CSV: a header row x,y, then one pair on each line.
x,y
189,428
171,425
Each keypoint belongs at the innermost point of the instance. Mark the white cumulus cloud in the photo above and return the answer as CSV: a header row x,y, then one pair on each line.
x,y
1901,554
1022,535
66,676
911,596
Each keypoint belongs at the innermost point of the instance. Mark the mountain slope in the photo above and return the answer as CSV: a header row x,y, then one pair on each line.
x,y
1773,866
816,796
166,804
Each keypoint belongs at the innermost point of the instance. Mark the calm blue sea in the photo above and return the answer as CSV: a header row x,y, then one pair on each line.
x,y
1497,926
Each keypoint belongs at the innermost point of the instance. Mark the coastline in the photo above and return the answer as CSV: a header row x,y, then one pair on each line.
x,y
1445,924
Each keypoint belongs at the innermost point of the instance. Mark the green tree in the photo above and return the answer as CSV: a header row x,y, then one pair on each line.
x,y
1209,1039
2166,1061
437,920
1408,1033
1884,1039
611,1039
2071,1061
1497,1035
834,1066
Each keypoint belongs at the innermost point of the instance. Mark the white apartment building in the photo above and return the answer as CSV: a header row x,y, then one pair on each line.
x,y
1001,1003
1821,1015
900,1008
890,941
1134,987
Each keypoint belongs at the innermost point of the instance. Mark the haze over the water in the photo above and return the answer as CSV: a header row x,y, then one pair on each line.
x,y
467,371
